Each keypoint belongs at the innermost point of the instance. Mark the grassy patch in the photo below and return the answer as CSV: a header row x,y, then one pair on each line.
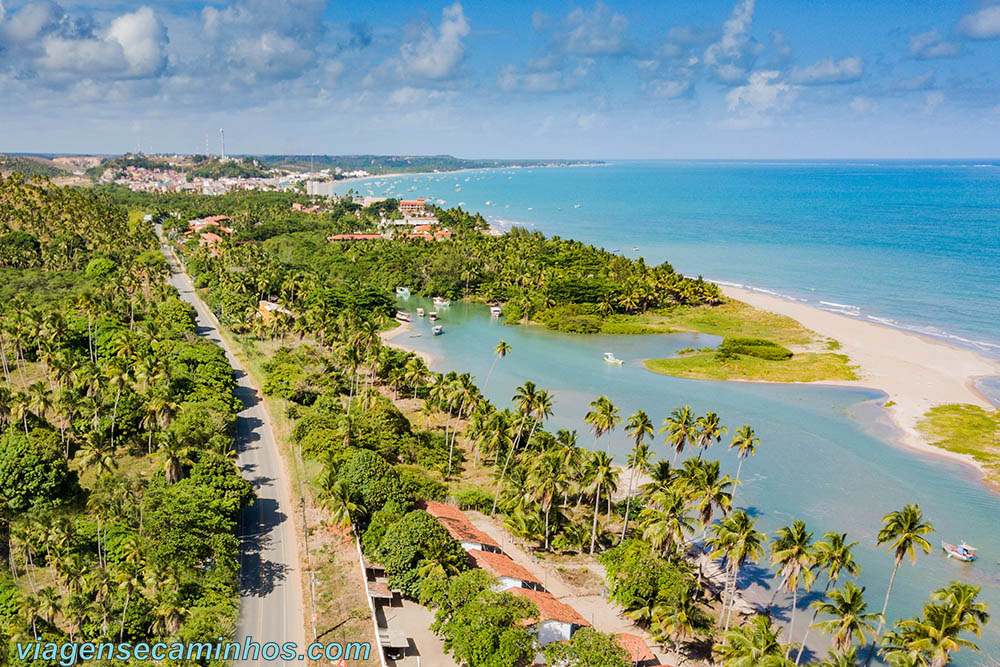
x,y
805,367
966,429
630,328
733,318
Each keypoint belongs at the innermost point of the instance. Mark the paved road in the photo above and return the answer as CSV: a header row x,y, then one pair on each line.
x,y
271,608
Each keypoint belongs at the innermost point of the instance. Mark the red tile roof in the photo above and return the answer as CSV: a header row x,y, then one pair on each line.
x,y
355,237
463,531
635,646
549,608
436,509
500,565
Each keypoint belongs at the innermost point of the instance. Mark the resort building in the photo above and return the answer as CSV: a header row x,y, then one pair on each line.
x,y
507,573
211,241
414,208
220,221
556,621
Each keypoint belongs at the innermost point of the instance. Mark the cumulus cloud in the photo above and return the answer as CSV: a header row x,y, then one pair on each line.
x,y
829,70
929,45
596,32
437,55
984,24
511,80
755,102
734,52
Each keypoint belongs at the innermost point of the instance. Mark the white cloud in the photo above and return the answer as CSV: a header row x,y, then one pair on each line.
x,y
754,102
731,56
829,70
863,106
409,96
549,81
539,20
437,55
142,37
934,99
918,82
596,32
669,89
984,24
929,45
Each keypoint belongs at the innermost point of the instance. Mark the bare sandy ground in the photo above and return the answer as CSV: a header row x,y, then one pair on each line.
x,y
917,372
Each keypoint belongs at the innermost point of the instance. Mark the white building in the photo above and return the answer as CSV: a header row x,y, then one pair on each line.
x,y
507,573
556,621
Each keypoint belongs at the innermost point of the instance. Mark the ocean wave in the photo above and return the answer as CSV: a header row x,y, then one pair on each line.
x,y
839,305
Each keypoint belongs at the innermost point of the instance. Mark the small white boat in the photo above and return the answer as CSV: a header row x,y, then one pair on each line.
x,y
962,552
495,311
438,330
432,316
635,249
403,317
402,291
420,312
441,302
612,359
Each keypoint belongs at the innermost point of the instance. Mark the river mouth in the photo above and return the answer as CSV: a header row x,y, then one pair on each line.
x,y
827,455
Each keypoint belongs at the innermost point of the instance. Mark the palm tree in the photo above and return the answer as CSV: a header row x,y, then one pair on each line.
x,y
792,554
851,619
903,530
548,477
737,539
711,491
933,637
603,418
639,427
709,431
500,351
681,620
603,476
756,644
745,443
832,556
174,455
414,373
524,397
680,429
665,521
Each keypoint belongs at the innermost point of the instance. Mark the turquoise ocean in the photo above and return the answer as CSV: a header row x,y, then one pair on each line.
x,y
910,244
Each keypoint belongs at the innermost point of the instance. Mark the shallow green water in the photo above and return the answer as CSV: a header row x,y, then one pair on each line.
x,y
826,455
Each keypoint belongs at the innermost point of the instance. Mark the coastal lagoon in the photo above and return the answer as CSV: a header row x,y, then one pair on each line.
x,y
825,455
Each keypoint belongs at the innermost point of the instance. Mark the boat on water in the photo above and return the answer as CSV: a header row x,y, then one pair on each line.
x,y
635,249
437,330
962,552
420,312
612,359
432,316
495,311
402,291
441,302
403,317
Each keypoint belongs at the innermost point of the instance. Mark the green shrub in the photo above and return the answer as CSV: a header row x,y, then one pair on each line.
x,y
411,540
375,481
419,486
474,498
753,347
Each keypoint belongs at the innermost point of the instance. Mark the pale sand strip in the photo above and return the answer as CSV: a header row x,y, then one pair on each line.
x,y
915,371
391,337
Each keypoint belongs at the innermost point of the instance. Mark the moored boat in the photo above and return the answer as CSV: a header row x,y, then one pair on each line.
x,y
495,311
437,330
441,302
403,317
962,552
432,316
612,359
420,312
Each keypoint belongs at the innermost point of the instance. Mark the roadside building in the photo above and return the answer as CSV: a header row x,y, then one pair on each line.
x,y
507,573
267,309
556,621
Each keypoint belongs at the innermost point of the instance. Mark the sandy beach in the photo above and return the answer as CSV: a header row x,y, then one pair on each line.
x,y
917,372
391,338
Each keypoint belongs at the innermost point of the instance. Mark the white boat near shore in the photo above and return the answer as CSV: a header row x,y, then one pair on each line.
x,y
612,359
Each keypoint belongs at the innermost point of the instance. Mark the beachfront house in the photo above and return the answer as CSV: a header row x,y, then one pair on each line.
x,y
556,621
639,654
459,527
507,573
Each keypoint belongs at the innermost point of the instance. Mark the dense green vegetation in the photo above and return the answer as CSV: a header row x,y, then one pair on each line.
x,y
384,164
29,166
801,367
966,429
118,494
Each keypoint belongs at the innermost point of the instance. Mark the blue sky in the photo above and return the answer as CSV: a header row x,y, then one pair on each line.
x,y
706,79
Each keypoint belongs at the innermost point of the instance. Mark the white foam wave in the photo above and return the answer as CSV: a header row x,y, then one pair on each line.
x,y
839,305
